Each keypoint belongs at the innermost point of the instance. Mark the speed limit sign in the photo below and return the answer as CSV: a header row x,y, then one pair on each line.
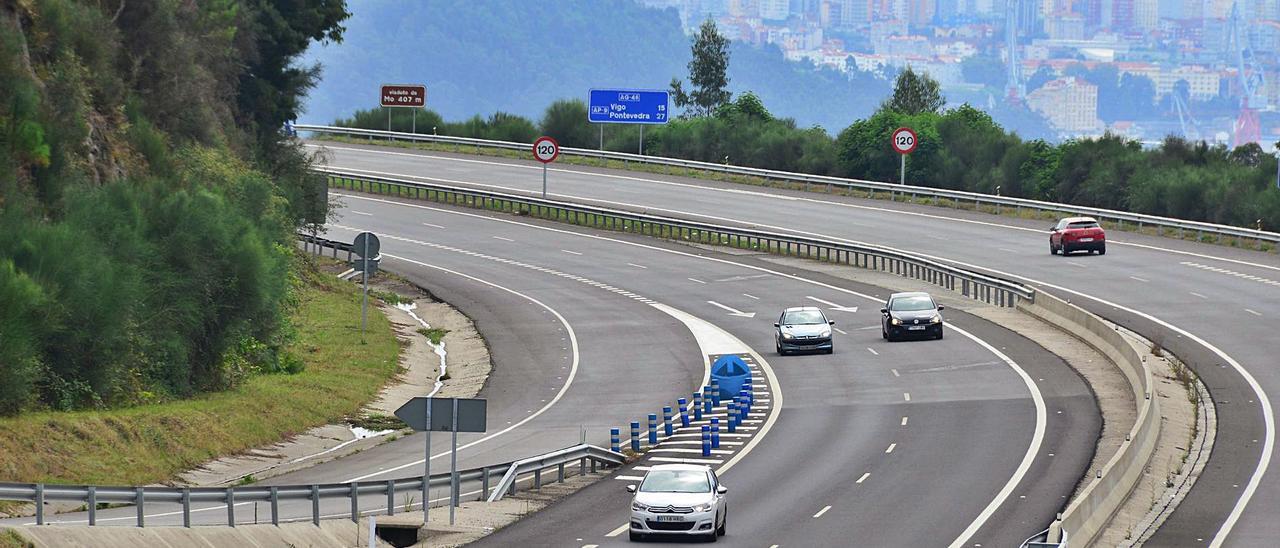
x,y
546,149
904,140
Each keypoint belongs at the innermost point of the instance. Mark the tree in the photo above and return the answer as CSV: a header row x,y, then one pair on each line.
x,y
707,73
566,121
915,94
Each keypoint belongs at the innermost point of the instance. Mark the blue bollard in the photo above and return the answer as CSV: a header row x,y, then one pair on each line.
x,y
684,412
666,420
706,441
635,436
653,429
715,433
745,398
697,406
733,416
707,402
715,394
614,444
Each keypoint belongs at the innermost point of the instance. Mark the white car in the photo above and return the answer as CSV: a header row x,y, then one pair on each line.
x,y
679,499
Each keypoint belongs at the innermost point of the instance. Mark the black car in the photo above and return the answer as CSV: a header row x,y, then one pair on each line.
x,y
911,315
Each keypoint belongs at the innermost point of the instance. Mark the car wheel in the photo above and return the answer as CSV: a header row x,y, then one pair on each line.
x,y
939,333
635,537
1102,250
724,524
1053,250
831,350
884,334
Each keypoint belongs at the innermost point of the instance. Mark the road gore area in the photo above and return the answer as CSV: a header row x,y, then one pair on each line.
x,y
151,443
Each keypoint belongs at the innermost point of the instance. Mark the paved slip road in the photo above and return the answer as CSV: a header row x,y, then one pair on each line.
x,y
1212,305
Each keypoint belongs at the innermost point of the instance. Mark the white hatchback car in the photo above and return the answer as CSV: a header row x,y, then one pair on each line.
x,y
679,499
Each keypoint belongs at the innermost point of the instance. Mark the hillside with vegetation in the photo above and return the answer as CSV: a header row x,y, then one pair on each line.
x,y
147,198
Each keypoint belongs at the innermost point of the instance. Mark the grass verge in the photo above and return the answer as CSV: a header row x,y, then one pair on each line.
x,y
1019,213
11,539
152,443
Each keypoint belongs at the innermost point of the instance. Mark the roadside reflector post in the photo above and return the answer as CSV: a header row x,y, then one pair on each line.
x,y
653,429
635,436
614,443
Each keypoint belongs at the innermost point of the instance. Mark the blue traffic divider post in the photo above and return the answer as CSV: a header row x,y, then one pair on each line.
x,y
715,393
614,443
653,429
733,416
666,420
715,433
635,436
684,412
697,406
706,441
707,403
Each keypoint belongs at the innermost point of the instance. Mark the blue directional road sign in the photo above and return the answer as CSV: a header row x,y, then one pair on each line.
x,y
628,106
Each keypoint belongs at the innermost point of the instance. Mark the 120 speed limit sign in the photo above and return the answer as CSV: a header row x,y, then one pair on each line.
x,y
904,140
546,149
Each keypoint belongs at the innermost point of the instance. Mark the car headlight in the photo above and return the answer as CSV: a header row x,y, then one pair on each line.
x,y
639,507
706,507
895,321
935,319
788,336
826,333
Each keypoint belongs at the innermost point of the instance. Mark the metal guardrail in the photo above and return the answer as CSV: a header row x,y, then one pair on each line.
x,y
91,496
989,289
1119,217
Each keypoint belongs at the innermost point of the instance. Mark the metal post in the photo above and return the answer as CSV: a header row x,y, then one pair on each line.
x,y
484,483
231,507
902,177
391,499
93,505
364,299
39,504
642,140
544,181
315,505
139,502
186,507
415,121
426,477
355,502
453,466
275,506
602,137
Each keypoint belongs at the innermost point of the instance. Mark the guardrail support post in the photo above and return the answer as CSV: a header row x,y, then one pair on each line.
x,y
391,498
39,504
355,501
139,502
560,473
186,507
93,506
484,483
231,507
537,478
315,505
275,506
582,466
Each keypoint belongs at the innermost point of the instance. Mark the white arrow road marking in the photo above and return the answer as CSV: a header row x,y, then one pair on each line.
x,y
833,306
732,311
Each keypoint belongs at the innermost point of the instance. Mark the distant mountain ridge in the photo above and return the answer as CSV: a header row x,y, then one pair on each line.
x,y
479,57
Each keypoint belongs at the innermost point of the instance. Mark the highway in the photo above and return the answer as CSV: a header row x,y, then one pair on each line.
x,y
1212,305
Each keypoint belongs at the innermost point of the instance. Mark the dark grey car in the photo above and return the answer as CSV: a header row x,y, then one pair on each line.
x,y
913,314
803,329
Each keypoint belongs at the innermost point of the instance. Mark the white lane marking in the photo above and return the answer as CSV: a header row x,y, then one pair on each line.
x,y
590,546
1199,295
1007,250
361,213
750,296
864,477
618,531
569,252
573,368
1254,312
895,372
892,446
833,306
904,421
1078,265
1232,273
873,351
503,239
731,310
1037,397
736,191
1143,280
637,265
906,396
840,331
431,225
695,280
822,511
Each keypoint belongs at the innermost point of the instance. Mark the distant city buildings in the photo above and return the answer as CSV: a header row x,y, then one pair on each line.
x,y
1177,44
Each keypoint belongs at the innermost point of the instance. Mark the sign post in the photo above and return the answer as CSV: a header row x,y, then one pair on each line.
x,y
628,106
425,414
367,247
545,150
404,95
904,142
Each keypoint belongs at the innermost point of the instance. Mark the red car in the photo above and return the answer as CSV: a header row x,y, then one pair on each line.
x,y
1077,234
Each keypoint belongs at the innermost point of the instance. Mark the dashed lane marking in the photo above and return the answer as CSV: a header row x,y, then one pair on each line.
x,y
822,511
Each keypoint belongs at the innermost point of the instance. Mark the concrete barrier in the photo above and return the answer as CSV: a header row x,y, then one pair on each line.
x,y
1094,506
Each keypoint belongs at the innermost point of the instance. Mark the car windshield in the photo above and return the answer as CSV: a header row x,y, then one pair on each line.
x,y
1083,224
676,481
803,317
908,304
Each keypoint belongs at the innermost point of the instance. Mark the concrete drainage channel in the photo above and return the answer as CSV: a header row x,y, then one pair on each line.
x,y
1083,518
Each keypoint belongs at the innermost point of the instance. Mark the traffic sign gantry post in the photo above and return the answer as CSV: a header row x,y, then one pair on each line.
x,y
545,150
904,142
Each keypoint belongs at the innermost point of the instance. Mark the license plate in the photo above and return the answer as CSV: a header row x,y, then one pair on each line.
x,y
915,327
670,518
1086,239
